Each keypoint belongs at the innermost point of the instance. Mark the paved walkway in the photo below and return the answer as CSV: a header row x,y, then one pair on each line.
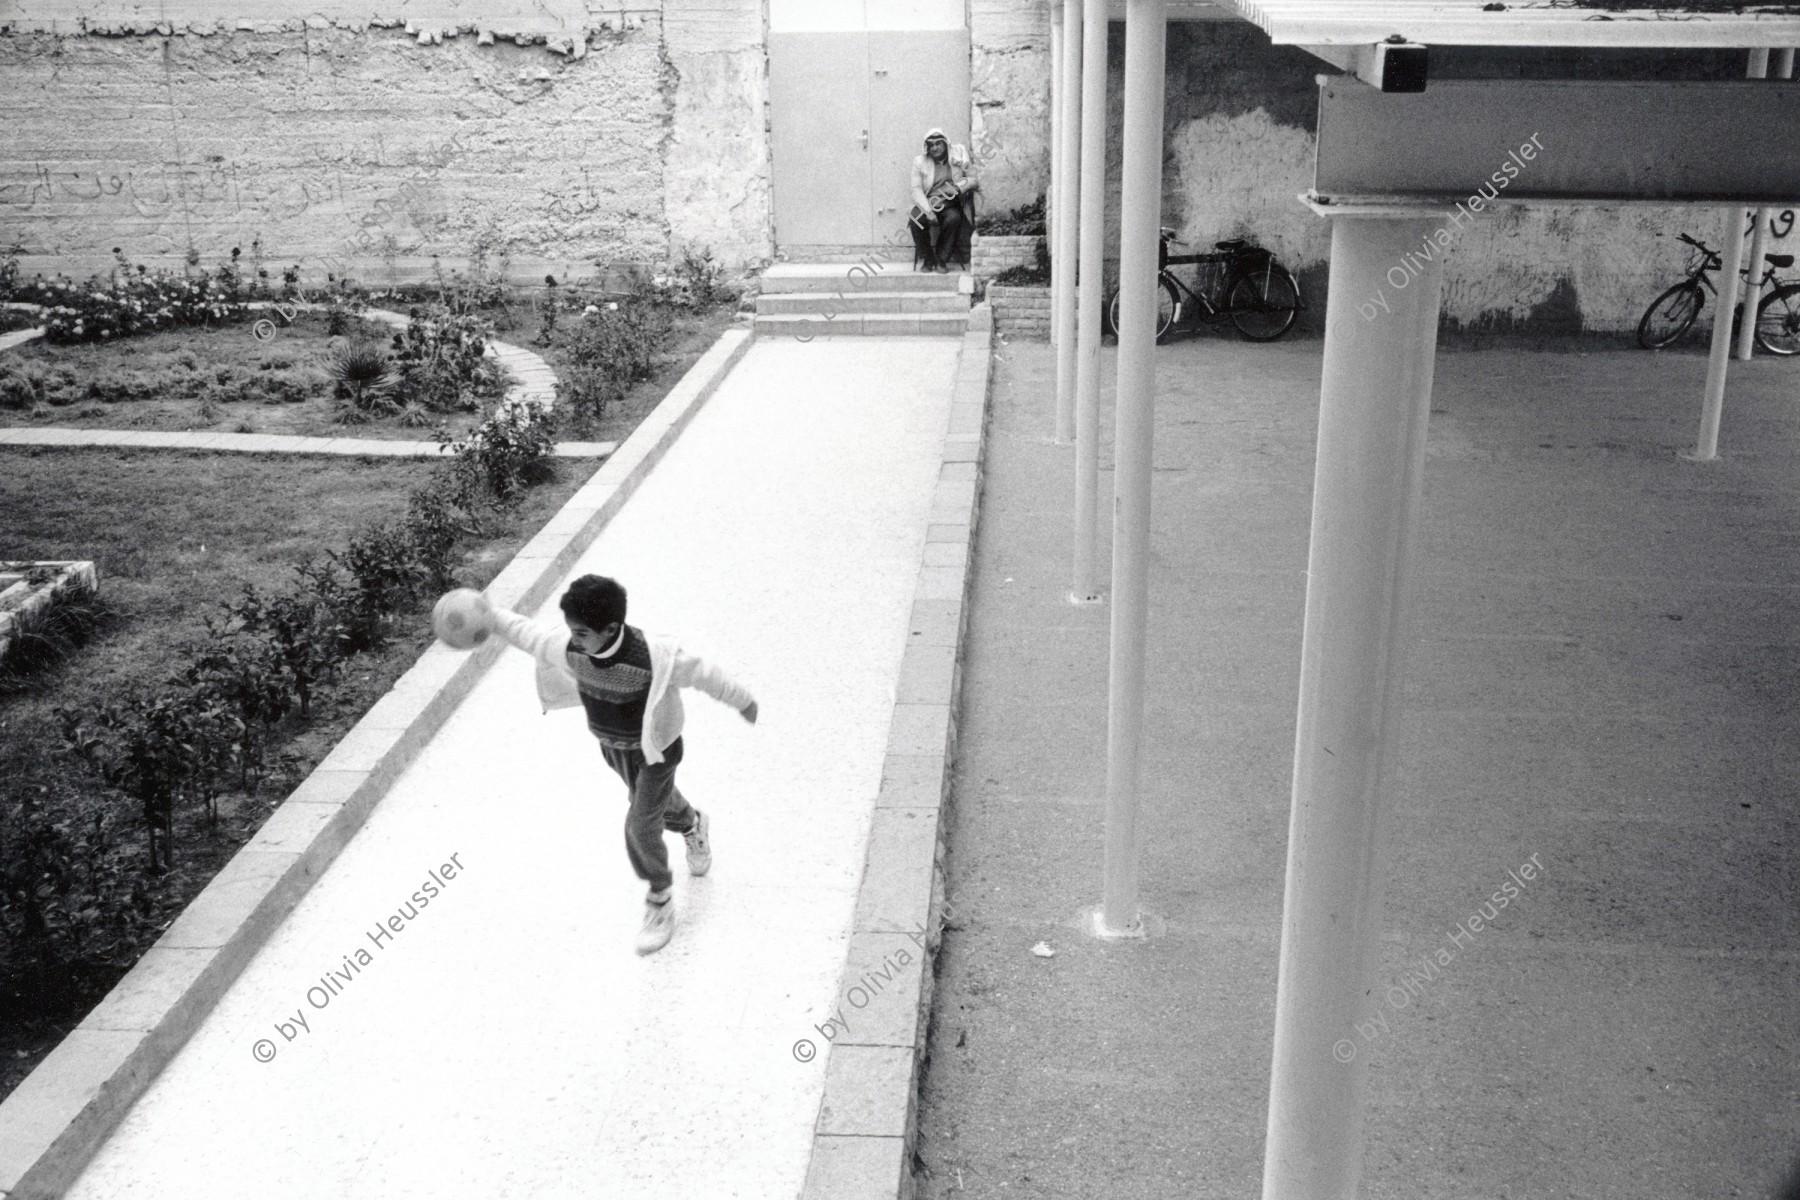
x,y
509,1042
1605,672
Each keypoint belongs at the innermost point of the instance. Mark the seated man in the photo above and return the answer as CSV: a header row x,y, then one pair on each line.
x,y
943,213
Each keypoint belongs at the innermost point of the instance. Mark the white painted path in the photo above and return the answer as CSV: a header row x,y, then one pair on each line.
x,y
509,1042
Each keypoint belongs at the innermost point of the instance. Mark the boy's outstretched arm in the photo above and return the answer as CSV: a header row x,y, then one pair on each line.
x,y
542,640
690,670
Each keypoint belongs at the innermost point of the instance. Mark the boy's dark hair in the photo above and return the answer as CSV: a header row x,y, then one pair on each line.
x,y
595,601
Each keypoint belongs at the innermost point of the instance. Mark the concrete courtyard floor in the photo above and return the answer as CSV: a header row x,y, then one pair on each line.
x,y
1604,673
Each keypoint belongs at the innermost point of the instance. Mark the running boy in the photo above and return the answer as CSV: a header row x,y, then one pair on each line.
x,y
630,685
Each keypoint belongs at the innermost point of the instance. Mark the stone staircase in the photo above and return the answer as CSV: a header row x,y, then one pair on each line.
x,y
810,300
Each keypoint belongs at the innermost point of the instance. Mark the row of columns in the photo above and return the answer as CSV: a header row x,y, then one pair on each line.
x,y
1374,400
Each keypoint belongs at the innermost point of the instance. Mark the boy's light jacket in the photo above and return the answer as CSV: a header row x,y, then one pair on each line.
x,y
671,669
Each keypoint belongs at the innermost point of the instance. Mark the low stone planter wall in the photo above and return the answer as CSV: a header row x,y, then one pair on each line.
x,y
29,590
991,254
1021,312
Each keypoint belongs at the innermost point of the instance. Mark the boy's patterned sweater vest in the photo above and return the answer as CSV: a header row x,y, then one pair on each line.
x,y
614,689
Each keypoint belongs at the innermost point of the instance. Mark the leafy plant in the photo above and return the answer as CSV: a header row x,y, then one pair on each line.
x,y
612,349
362,377
441,360
510,450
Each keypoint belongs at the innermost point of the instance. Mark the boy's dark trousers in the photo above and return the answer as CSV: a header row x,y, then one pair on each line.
x,y
656,804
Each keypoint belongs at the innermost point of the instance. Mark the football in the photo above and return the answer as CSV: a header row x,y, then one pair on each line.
x,y
460,618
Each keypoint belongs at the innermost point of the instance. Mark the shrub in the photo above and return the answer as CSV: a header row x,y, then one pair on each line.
x,y
1023,220
510,450
304,643
613,348
383,575
698,281
19,388
65,903
440,358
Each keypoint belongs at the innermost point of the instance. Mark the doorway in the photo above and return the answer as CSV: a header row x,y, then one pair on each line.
x,y
849,108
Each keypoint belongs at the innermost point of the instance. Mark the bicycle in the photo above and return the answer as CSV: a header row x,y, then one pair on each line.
x,y
1672,313
1239,280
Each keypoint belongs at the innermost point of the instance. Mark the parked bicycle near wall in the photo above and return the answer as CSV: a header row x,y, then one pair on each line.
x,y
1777,316
1239,280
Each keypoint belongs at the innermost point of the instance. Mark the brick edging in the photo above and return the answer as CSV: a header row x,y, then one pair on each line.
x,y
54,1122
864,1139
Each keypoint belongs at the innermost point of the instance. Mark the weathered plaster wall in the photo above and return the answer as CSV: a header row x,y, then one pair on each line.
x,y
366,145
1009,84
716,168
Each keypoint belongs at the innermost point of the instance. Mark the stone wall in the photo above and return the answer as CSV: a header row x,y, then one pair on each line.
x,y
571,143
1009,85
991,254
1021,312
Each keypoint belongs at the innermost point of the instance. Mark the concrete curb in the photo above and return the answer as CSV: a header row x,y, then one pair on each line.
x,y
866,1133
61,1114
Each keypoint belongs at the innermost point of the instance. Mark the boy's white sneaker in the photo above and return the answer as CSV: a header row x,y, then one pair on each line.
x,y
659,926
699,846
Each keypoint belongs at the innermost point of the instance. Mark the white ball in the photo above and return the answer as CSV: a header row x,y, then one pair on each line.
x,y
461,618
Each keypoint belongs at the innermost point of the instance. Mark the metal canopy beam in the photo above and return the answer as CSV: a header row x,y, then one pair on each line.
x,y
1483,23
1604,142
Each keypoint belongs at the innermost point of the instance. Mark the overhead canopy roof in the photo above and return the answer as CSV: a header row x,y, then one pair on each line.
x,y
1661,24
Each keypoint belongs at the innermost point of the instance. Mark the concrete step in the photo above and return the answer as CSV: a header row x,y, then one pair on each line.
x,y
871,276
851,301
809,326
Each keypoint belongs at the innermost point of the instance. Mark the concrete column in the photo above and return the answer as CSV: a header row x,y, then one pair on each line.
x,y
1712,406
1759,242
1140,219
1373,403
1062,315
1053,197
1086,587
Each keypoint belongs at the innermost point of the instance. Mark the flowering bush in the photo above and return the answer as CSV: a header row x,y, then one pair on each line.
x,y
613,348
511,449
134,300
441,360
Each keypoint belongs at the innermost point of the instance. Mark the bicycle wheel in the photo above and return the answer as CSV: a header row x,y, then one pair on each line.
x,y
1778,320
1168,310
1263,302
1670,314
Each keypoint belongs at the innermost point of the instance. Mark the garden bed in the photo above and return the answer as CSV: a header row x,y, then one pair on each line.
x,y
176,535
222,379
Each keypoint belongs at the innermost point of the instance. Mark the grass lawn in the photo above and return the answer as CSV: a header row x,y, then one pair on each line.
x,y
173,534
215,380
